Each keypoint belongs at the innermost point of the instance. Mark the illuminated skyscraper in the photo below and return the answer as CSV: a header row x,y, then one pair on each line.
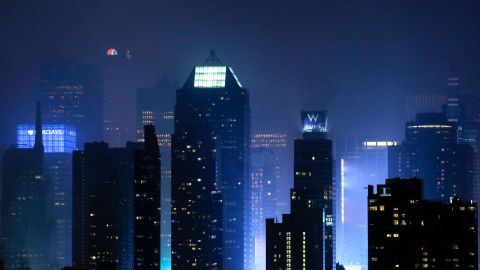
x,y
147,203
155,107
405,231
103,206
59,142
305,239
360,161
431,152
24,229
72,94
211,219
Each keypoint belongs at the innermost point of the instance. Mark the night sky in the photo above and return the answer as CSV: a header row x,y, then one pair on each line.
x,y
357,59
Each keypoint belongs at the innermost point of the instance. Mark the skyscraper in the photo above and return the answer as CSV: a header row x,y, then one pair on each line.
x,y
305,239
431,152
154,106
72,94
406,231
360,161
103,206
212,133
59,142
269,180
147,203
24,229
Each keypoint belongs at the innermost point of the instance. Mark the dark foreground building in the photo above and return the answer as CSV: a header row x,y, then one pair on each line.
x,y
24,225
211,223
102,206
147,203
407,232
305,238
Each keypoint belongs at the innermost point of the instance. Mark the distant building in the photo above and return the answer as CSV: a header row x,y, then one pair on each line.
x,y
103,213
423,103
305,239
406,231
25,228
431,152
154,106
211,185
360,161
269,172
72,95
147,203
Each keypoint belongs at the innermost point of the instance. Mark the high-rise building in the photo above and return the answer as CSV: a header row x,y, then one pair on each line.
x,y
59,142
103,206
24,229
147,203
155,107
72,94
360,161
406,231
423,103
268,172
210,169
431,152
305,239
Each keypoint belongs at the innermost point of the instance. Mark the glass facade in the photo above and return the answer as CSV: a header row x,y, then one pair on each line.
x,y
210,76
57,138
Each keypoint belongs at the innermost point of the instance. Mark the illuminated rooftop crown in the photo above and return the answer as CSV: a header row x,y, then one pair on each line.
x,y
213,74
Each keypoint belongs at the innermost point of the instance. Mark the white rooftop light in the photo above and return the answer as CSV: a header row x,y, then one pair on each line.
x,y
210,76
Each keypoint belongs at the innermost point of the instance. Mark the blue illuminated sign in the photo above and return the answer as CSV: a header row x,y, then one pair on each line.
x,y
314,121
56,138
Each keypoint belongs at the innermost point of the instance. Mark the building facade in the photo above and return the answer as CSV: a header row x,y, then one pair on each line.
x,y
406,231
154,106
147,204
25,229
310,228
212,130
71,94
431,152
103,213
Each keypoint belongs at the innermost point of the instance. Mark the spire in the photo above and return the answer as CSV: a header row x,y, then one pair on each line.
x,y
213,60
38,129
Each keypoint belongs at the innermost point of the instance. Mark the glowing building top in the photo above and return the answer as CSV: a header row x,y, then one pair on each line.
x,y
213,74
314,122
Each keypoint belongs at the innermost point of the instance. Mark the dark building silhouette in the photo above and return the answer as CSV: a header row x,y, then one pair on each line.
x,y
24,225
405,231
103,206
431,152
72,94
210,155
305,238
147,203
154,106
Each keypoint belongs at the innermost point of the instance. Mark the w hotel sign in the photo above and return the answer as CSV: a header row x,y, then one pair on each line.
x,y
314,121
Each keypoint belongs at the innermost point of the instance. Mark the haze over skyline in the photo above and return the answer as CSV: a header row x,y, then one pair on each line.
x,y
353,58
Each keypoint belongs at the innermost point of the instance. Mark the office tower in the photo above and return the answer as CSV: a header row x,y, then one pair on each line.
x,y
431,152
103,206
154,106
423,103
269,173
24,229
72,95
360,161
305,239
406,231
147,203
59,142
210,169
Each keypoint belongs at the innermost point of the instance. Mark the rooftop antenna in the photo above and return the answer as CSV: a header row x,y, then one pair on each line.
x,y
213,60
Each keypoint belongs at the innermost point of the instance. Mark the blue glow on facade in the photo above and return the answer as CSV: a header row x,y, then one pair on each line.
x,y
57,138
314,121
